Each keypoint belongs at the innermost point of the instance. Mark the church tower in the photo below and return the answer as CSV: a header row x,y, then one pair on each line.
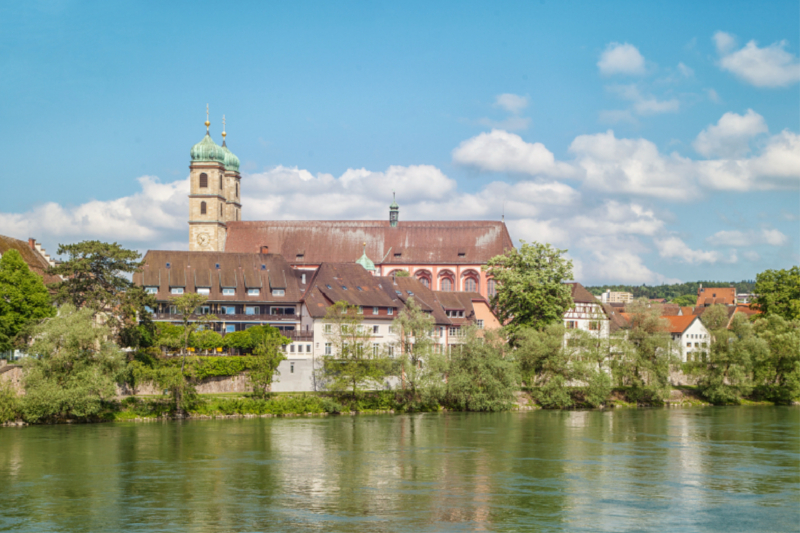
x,y
207,195
233,186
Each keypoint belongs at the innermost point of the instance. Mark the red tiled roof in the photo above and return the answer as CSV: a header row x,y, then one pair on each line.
x,y
678,324
327,241
716,295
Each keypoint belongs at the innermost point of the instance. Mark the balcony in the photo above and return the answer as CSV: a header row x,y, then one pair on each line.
x,y
289,319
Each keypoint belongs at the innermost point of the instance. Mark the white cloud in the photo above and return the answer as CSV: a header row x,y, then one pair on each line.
x,y
771,66
644,105
674,247
621,59
632,166
772,237
513,103
731,135
500,151
624,265
712,95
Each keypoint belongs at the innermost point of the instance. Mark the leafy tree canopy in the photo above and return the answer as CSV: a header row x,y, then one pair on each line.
x,y
530,286
95,274
778,292
670,292
24,299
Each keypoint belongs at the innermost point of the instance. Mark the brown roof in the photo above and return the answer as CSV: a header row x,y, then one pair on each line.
x,y
616,317
35,261
671,310
236,271
716,295
581,295
347,282
326,241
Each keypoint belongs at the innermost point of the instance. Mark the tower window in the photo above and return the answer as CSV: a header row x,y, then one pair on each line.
x,y
220,182
204,180
237,190
220,210
202,208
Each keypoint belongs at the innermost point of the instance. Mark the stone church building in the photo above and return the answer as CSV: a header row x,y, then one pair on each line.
x,y
443,255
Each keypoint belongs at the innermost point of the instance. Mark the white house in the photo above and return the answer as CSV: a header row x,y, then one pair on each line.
x,y
691,335
588,313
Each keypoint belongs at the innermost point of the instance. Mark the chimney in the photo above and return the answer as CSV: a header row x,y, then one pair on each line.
x,y
32,243
265,249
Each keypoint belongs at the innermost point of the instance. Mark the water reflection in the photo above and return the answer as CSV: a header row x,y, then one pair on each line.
x,y
736,469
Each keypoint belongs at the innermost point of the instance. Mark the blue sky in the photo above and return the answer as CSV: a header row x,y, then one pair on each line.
x,y
655,141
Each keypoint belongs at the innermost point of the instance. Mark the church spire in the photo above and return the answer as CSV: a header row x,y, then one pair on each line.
x,y
207,122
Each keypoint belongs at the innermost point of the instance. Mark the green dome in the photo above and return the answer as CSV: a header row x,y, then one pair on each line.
x,y
208,150
231,161
366,262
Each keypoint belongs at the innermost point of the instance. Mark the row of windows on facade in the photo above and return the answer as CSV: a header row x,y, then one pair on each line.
x,y
594,325
376,349
207,290
232,310
204,183
454,331
204,210
232,328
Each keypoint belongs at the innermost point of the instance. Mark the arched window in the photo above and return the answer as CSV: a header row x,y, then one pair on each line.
x,y
220,210
470,285
220,182
237,190
202,207
203,180
446,284
491,288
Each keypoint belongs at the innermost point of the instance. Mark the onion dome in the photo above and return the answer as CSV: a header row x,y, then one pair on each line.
x,y
365,261
208,150
231,161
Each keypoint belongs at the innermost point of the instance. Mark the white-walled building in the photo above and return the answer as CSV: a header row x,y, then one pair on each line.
x,y
691,335
588,313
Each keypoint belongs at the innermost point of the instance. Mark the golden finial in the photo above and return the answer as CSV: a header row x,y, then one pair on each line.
x,y
223,128
207,122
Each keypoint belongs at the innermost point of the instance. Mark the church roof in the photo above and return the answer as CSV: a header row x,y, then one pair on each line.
x,y
418,242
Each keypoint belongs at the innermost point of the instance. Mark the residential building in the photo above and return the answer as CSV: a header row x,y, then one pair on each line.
x,y
616,297
707,297
691,336
588,313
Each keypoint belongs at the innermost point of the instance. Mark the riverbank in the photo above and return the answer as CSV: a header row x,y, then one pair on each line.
x,y
310,404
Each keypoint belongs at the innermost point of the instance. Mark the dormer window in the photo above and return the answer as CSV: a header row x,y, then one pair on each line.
x,y
203,290
390,310
168,265
344,287
299,257
329,286
176,290
151,290
252,292
228,292
263,267
216,266
278,292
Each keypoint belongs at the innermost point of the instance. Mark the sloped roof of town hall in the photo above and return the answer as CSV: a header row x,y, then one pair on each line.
x,y
342,241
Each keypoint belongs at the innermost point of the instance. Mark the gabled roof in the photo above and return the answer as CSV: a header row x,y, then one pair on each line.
x,y
331,241
36,262
347,282
679,324
716,295
191,270
616,318
581,295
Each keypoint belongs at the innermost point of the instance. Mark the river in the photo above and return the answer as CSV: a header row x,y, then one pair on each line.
x,y
695,469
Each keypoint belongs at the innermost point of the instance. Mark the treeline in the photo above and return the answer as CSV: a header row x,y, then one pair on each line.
x,y
670,292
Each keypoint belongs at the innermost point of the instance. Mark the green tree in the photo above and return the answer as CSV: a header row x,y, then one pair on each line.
x,y
715,317
24,299
530,286
778,292
169,337
186,305
354,365
241,341
726,372
94,274
483,375
685,300
205,340
75,370
777,372
9,403
267,356
135,326
643,362
422,361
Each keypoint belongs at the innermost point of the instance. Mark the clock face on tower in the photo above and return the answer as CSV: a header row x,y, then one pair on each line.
x,y
203,239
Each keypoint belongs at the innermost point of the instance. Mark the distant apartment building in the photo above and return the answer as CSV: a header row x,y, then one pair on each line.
x,y
610,297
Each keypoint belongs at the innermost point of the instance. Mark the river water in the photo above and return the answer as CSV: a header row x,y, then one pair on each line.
x,y
698,469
